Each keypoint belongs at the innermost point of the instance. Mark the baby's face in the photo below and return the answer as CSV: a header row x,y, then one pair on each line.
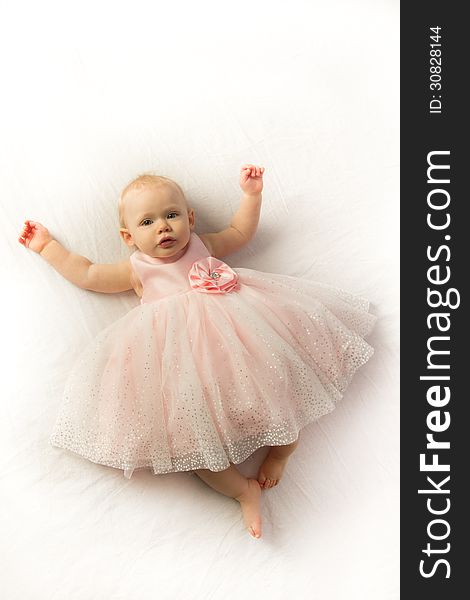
x,y
153,213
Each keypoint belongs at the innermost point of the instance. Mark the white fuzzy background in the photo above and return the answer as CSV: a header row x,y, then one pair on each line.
x,y
94,93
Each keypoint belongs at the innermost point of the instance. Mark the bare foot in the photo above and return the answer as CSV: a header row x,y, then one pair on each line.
x,y
270,472
249,502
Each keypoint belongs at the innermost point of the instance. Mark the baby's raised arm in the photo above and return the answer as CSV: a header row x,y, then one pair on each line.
x,y
106,278
245,221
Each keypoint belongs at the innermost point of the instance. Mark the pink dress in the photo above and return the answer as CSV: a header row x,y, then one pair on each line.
x,y
213,364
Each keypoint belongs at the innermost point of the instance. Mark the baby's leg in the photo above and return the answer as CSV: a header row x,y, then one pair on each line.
x,y
247,491
270,472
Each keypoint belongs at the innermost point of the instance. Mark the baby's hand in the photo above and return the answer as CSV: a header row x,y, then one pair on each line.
x,y
34,236
251,179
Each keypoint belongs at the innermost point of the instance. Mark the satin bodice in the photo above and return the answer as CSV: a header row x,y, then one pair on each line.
x,y
161,277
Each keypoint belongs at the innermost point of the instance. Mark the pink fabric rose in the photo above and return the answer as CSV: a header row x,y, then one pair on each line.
x,y
212,276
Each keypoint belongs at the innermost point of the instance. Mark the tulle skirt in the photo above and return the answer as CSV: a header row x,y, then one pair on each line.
x,y
199,381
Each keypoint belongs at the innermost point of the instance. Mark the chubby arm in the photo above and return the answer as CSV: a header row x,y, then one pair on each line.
x,y
245,221
110,278
106,278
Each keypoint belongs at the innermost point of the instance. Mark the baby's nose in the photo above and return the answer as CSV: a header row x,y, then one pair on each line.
x,y
163,226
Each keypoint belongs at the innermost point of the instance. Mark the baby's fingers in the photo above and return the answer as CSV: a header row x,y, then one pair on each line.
x,y
35,225
24,238
27,232
24,232
247,171
252,170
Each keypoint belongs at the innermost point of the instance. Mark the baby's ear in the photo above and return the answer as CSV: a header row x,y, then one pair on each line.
x,y
191,218
126,237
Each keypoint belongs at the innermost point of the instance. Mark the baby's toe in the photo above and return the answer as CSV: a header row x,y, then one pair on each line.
x,y
255,531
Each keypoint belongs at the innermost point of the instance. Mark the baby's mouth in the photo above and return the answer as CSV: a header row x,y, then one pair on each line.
x,y
167,242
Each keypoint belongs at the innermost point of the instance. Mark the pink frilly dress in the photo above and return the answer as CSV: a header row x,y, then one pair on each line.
x,y
213,364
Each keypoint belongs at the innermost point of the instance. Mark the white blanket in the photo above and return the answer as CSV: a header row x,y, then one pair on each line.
x,y
93,95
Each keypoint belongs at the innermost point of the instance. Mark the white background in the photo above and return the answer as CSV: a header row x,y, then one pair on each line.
x,y
94,94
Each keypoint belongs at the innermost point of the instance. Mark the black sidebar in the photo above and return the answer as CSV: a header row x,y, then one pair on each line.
x,y
435,349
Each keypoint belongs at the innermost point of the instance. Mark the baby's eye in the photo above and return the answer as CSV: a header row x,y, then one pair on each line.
x,y
172,213
146,221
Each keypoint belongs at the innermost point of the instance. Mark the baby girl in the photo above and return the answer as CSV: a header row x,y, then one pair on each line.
x,y
215,362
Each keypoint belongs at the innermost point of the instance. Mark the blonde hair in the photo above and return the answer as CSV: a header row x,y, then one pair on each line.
x,y
146,179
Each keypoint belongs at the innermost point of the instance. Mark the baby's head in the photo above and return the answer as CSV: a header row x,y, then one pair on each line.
x,y
152,207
